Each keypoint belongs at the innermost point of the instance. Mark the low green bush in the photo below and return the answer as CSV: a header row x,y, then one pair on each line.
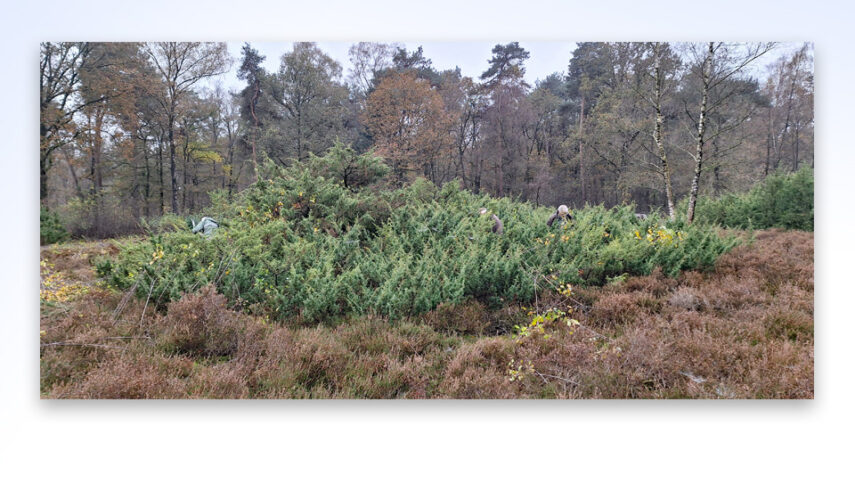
x,y
304,245
51,229
782,200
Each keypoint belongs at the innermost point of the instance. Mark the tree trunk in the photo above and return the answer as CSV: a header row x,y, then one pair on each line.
x,y
299,136
699,143
658,132
716,169
99,123
44,160
160,170
768,146
77,188
582,177
146,208
796,146
95,142
254,133
173,173
185,169
44,165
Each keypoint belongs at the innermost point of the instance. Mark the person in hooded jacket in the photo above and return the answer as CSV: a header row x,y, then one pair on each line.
x,y
562,214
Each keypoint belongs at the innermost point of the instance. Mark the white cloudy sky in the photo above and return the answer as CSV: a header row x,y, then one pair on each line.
x,y
471,57
545,57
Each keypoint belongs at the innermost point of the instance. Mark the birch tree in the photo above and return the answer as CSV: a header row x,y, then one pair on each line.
x,y
658,130
790,114
714,64
368,60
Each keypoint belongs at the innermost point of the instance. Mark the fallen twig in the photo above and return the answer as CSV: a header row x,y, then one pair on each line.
x,y
567,380
148,297
124,302
62,344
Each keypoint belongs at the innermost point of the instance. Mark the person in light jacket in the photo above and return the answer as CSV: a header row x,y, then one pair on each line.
x,y
207,226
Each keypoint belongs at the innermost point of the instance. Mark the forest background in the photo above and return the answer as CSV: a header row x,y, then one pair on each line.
x,y
131,130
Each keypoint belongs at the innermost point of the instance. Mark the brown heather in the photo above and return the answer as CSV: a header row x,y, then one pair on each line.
x,y
742,331
200,324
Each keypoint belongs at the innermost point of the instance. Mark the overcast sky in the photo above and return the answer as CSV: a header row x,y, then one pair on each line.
x,y
545,57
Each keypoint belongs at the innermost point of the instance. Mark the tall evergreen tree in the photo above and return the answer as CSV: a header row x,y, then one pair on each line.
x,y
254,75
506,65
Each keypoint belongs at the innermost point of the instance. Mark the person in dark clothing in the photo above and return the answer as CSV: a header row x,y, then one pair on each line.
x,y
498,227
562,213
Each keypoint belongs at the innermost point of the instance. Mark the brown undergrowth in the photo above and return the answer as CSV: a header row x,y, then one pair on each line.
x,y
744,330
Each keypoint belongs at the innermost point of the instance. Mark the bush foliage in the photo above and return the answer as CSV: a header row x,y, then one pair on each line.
x,y
51,229
782,200
301,244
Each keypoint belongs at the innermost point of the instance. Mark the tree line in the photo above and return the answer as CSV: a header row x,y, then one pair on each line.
x,y
132,130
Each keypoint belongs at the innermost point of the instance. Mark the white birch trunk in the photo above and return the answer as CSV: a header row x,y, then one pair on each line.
x,y
706,70
658,131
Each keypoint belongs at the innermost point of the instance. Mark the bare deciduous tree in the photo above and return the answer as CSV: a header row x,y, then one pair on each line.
x,y
181,65
714,64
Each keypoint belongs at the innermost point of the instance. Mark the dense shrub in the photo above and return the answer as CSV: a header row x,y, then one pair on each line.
x,y
783,200
302,244
51,229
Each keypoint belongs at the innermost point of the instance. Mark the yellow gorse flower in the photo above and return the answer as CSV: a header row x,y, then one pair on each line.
x,y
157,254
662,236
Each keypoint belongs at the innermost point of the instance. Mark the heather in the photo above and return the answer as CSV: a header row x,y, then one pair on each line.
x,y
744,329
